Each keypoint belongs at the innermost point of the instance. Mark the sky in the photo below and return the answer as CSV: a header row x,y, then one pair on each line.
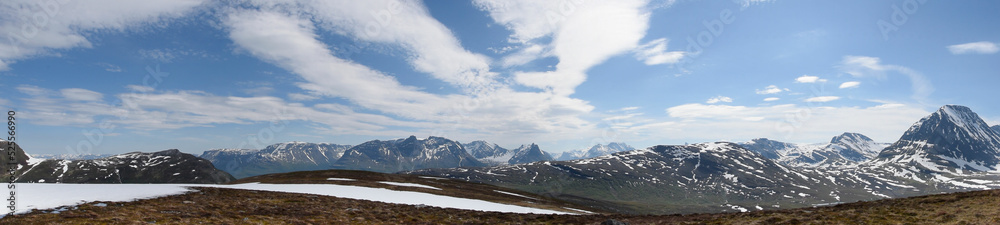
x,y
108,77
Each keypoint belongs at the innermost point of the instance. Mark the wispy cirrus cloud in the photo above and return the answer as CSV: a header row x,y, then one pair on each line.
x,y
770,89
67,22
822,99
809,79
982,47
850,84
655,53
866,66
718,99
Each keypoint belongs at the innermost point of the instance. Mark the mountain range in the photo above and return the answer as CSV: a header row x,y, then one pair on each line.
x,y
276,158
845,150
406,154
169,166
950,150
493,155
595,151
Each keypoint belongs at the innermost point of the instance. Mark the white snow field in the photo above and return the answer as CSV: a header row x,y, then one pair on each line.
x,y
50,196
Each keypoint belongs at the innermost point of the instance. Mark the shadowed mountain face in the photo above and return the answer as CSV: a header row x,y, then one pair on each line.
x,y
406,154
276,158
952,137
170,166
996,128
20,158
529,153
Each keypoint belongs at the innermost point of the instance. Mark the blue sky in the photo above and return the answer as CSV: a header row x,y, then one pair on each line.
x,y
104,77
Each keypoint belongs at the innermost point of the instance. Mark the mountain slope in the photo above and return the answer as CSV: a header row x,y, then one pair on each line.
x,y
169,166
406,154
996,128
595,151
705,177
276,158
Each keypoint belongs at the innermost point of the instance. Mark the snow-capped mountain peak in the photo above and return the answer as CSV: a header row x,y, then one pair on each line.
x,y
952,137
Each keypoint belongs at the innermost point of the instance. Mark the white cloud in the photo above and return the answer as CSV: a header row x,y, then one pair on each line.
x,y
409,25
864,66
62,24
850,84
111,68
583,34
719,99
167,55
139,88
822,99
526,54
809,79
772,89
982,47
655,52
301,97
630,108
78,94
790,123
290,42
173,110
771,99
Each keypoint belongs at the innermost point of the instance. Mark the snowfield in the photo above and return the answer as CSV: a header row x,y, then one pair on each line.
x,y
50,196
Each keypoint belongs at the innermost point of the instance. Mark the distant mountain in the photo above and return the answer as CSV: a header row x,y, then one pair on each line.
x,y
406,154
170,166
845,150
70,156
705,177
996,128
276,158
951,139
529,153
489,153
493,155
595,151
950,150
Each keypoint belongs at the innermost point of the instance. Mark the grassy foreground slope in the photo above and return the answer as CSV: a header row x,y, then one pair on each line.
x,y
229,206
